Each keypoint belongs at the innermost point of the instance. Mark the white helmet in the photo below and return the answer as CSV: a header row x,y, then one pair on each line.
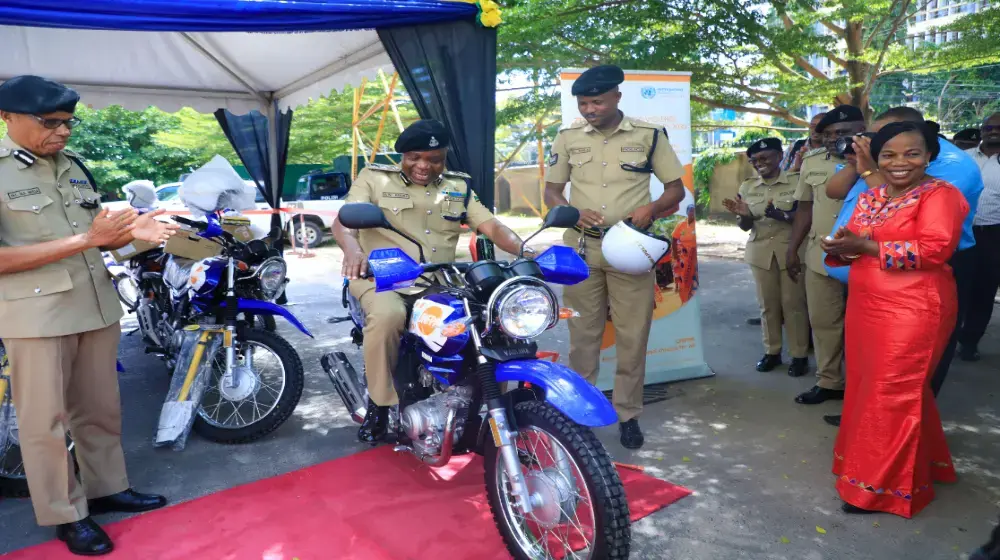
x,y
631,250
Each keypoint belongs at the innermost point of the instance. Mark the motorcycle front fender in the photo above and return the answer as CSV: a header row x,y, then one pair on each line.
x,y
564,389
258,307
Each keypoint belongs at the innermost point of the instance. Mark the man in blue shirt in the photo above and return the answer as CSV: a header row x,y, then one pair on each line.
x,y
952,165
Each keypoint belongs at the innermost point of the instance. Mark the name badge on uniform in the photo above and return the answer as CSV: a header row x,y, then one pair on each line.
x,y
574,151
81,183
639,149
395,195
13,195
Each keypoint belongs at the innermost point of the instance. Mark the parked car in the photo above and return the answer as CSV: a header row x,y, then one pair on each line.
x,y
322,192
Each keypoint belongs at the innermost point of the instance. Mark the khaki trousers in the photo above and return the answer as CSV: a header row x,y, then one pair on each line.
x,y
385,323
68,383
826,300
631,299
782,301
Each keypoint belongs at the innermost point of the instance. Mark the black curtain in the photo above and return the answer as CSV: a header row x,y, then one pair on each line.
x,y
248,135
449,70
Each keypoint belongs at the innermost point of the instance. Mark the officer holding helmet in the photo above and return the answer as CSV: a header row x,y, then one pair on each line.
x,y
59,314
608,158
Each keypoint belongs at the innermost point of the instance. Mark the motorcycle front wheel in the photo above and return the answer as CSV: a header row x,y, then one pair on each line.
x,y
579,507
266,390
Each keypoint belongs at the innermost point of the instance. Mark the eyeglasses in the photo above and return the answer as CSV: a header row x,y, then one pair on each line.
x,y
989,127
53,124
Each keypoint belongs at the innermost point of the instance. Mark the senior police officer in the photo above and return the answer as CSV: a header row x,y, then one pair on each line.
x,y
766,208
815,217
608,159
429,204
59,314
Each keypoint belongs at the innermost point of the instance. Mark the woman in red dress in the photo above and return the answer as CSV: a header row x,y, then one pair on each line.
x,y
900,312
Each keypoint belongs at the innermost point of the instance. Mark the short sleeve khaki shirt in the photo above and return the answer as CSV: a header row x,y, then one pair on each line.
x,y
817,170
39,202
432,215
592,162
769,238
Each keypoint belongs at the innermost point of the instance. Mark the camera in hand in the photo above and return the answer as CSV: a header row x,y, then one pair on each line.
x,y
845,144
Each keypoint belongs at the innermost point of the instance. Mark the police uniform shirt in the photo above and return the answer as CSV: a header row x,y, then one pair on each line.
x,y
817,170
592,162
430,214
40,200
769,237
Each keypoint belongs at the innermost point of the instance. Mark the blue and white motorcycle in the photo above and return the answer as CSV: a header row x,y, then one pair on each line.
x,y
257,376
551,485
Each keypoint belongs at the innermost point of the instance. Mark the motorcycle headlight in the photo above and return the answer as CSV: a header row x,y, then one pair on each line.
x,y
525,312
271,277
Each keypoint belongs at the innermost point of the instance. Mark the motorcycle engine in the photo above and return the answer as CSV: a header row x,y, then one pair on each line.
x,y
424,422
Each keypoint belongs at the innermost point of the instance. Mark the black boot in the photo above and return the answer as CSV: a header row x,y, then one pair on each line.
x,y
769,362
85,538
375,425
799,367
818,395
968,353
832,419
631,435
848,508
128,501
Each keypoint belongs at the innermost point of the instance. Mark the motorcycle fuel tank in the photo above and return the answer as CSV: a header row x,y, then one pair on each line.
x,y
430,314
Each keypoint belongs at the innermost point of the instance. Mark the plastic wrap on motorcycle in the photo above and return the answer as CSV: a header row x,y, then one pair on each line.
x,y
564,389
562,265
393,269
258,307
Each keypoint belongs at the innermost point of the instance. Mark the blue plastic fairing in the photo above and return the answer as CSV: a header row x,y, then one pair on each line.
x,y
564,389
562,265
393,269
258,307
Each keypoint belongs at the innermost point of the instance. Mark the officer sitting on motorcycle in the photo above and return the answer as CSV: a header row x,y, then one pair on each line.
x,y
429,204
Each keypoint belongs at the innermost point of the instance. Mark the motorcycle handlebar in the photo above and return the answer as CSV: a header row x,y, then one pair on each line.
x,y
200,226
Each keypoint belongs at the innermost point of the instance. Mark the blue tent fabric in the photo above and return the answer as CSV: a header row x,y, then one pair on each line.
x,y
230,15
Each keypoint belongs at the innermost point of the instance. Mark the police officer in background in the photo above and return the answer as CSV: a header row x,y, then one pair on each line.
x,y
608,159
766,208
430,205
968,138
59,314
816,214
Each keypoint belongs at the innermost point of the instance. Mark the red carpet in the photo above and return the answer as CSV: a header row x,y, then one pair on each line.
x,y
374,505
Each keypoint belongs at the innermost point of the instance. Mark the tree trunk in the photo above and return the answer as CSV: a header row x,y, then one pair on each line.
x,y
857,70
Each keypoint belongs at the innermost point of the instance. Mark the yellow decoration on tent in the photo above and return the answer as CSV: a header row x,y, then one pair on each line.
x,y
489,13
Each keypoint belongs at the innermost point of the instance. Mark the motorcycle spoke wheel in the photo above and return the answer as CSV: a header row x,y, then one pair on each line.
x,y
222,409
562,524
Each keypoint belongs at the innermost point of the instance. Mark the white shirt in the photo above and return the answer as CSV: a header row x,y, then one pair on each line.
x,y
988,212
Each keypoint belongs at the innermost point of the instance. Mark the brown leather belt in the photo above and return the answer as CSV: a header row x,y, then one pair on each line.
x,y
596,233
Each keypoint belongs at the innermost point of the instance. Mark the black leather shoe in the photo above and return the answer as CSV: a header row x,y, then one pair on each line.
x,y
375,425
799,367
85,538
755,321
818,395
128,501
769,362
968,353
832,419
848,508
631,434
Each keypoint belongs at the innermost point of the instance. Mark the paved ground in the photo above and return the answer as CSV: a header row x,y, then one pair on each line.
x,y
759,464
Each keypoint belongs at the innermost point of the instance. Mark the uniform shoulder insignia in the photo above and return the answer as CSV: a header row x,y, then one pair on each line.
x,y
383,167
457,175
72,154
815,152
576,124
643,124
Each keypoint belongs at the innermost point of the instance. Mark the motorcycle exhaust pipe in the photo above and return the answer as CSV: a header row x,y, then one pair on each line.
x,y
345,379
447,444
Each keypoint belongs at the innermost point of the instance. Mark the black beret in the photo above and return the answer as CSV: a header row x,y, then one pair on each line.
x,y
763,145
32,95
598,80
423,136
843,113
969,134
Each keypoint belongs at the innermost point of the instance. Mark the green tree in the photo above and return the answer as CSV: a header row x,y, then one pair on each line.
x,y
765,58
119,146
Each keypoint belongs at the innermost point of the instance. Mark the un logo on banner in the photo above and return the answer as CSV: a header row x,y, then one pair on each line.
x,y
649,92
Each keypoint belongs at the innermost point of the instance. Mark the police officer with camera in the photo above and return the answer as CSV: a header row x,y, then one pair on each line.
x,y
814,219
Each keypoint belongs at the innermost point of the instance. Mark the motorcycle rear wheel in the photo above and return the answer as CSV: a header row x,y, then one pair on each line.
x,y
593,495
213,423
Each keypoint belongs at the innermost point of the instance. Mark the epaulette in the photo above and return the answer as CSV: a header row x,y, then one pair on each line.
x,y
814,152
457,175
577,123
643,124
72,154
383,167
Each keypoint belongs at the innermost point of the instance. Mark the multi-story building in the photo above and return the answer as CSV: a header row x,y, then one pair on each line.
x,y
925,25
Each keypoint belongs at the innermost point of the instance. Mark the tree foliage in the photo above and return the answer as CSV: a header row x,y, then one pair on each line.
x,y
746,55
